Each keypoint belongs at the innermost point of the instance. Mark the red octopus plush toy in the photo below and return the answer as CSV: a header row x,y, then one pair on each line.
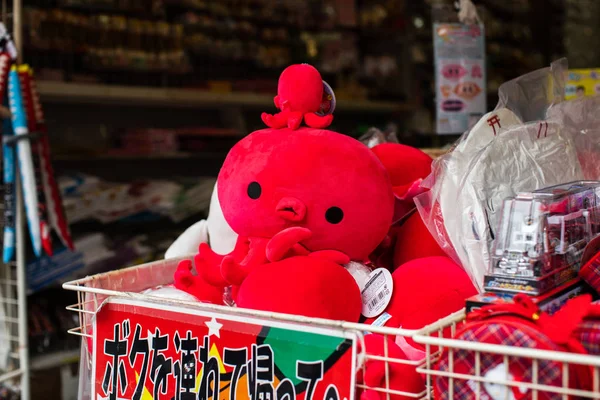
x,y
303,202
301,95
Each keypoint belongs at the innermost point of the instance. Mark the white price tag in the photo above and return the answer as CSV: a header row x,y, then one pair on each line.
x,y
377,293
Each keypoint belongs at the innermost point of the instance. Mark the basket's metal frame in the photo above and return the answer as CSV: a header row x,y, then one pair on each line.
x,y
14,290
435,344
90,299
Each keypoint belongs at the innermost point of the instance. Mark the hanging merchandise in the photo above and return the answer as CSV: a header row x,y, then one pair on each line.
x,y
9,192
25,159
9,166
24,80
55,209
43,201
460,76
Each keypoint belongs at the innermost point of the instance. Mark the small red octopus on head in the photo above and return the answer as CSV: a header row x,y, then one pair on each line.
x,y
301,95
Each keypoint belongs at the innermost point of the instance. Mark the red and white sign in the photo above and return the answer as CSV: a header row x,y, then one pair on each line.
x,y
149,351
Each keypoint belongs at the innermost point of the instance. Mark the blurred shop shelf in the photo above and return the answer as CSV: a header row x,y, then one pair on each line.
x,y
137,157
61,92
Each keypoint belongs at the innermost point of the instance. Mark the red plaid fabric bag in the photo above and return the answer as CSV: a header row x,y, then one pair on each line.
x,y
590,272
588,330
520,325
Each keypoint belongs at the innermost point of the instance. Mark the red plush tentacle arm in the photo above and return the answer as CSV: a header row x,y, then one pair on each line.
x,y
235,268
232,271
313,120
275,121
208,266
282,243
294,120
183,276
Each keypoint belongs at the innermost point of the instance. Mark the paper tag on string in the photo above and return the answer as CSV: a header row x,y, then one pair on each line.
x,y
377,293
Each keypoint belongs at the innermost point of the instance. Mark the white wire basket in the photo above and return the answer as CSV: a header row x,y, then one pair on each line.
x,y
491,377
122,290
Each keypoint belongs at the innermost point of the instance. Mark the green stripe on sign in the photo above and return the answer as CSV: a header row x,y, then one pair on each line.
x,y
290,346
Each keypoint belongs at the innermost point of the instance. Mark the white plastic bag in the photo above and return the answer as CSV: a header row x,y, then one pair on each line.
x,y
514,148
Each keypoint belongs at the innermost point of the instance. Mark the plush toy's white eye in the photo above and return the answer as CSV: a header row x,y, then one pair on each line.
x,y
254,190
334,215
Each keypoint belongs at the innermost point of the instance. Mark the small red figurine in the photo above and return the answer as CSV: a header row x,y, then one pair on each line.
x,y
301,95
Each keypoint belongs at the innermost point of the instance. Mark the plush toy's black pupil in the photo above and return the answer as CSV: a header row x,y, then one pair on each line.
x,y
334,215
254,190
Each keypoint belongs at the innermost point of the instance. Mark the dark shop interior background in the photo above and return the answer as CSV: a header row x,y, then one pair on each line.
x,y
143,99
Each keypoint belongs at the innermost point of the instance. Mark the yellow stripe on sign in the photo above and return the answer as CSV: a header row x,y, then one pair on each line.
x,y
242,384
145,393
214,352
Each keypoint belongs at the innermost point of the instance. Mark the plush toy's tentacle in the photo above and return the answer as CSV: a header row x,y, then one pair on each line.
x,y
232,271
183,276
208,266
276,121
195,285
313,120
281,244
294,120
248,254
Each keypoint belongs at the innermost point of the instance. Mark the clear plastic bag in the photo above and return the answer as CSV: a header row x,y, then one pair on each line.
x,y
531,140
373,136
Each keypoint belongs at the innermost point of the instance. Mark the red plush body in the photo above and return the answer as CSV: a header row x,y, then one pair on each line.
x,y
425,290
286,286
299,97
297,193
414,241
408,239
404,163
407,167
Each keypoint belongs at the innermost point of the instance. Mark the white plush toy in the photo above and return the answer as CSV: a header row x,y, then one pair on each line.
x,y
213,230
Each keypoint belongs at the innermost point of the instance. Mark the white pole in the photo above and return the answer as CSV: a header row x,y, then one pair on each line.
x,y
22,293
20,237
